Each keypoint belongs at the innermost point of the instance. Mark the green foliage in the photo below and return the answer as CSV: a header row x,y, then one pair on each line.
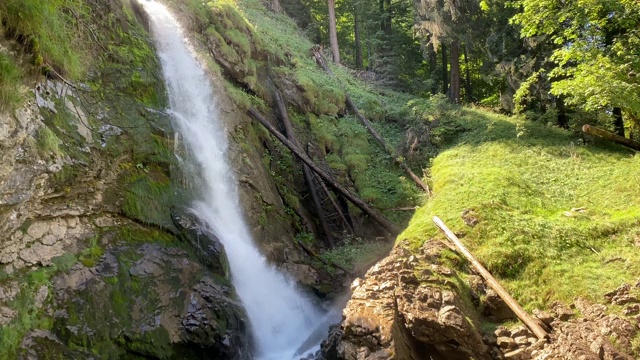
x,y
28,315
522,190
10,82
90,256
354,253
148,197
48,143
49,29
595,60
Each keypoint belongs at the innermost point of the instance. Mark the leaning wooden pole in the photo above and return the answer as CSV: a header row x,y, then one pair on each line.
x,y
284,116
372,131
375,215
611,137
495,285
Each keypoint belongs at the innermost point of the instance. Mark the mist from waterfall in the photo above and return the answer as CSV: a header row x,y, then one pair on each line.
x,y
281,317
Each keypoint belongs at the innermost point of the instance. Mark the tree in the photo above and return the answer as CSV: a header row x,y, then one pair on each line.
x,y
333,31
447,22
596,59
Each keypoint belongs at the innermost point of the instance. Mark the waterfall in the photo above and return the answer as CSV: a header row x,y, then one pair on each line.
x,y
281,318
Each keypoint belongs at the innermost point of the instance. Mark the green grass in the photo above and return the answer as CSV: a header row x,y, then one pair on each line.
x,y
10,82
521,180
355,254
48,143
48,29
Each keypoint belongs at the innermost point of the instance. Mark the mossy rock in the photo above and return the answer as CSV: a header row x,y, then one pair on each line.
x,y
148,301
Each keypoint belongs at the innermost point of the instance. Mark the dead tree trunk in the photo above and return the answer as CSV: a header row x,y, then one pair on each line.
x,y
611,137
495,285
284,116
372,131
375,215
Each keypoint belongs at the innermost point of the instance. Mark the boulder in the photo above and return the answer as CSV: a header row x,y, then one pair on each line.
x,y
407,307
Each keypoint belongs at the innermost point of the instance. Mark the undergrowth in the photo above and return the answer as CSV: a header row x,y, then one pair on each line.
x,y
10,82
48,29
556,219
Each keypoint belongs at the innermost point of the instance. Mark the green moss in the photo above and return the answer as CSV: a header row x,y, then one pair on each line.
x,y
148,199
49,30
48,143
10,82
28,315
522,187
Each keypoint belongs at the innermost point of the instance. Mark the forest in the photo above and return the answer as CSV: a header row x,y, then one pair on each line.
x,y
563,62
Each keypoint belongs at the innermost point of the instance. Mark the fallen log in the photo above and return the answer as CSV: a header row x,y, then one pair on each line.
x,y
495,285
326,262
372,131
592,130
375,215
284,116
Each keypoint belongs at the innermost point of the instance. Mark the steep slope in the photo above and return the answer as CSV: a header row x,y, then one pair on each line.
x,y
553,215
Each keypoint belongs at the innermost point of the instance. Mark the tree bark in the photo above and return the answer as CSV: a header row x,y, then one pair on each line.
x,y
495,285
433,64
374,214
356,29
445,73
454,91
275,4
562,120
467,82
284,116
372,131
611,137
333,32
618,122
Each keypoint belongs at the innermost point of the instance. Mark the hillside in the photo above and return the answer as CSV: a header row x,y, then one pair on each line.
x,y
102,253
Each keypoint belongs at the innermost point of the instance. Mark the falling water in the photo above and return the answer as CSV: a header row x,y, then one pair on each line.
x,y
281,318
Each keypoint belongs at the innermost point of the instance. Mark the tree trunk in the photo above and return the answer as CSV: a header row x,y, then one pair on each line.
x,y
284,116
611,137
467,83
618,122
374,214
275,4
433,64
563,120
333,32
371,130
445,74
356,29
387,17
454,93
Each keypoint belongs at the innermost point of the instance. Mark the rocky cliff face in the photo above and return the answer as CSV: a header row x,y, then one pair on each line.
x,y
408,306
91,265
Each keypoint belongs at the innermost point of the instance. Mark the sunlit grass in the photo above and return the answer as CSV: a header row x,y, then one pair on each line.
x,y
522,189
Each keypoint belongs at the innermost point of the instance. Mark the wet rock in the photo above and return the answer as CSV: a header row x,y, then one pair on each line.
x,y
153,301
38,344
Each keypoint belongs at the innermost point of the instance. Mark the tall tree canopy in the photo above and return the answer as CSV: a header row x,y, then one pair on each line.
x,y
596,58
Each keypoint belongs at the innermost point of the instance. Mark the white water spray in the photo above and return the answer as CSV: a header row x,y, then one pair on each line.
x,y
281,318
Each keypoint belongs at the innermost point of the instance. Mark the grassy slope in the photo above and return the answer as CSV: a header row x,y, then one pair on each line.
x,y
284,50
522,189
